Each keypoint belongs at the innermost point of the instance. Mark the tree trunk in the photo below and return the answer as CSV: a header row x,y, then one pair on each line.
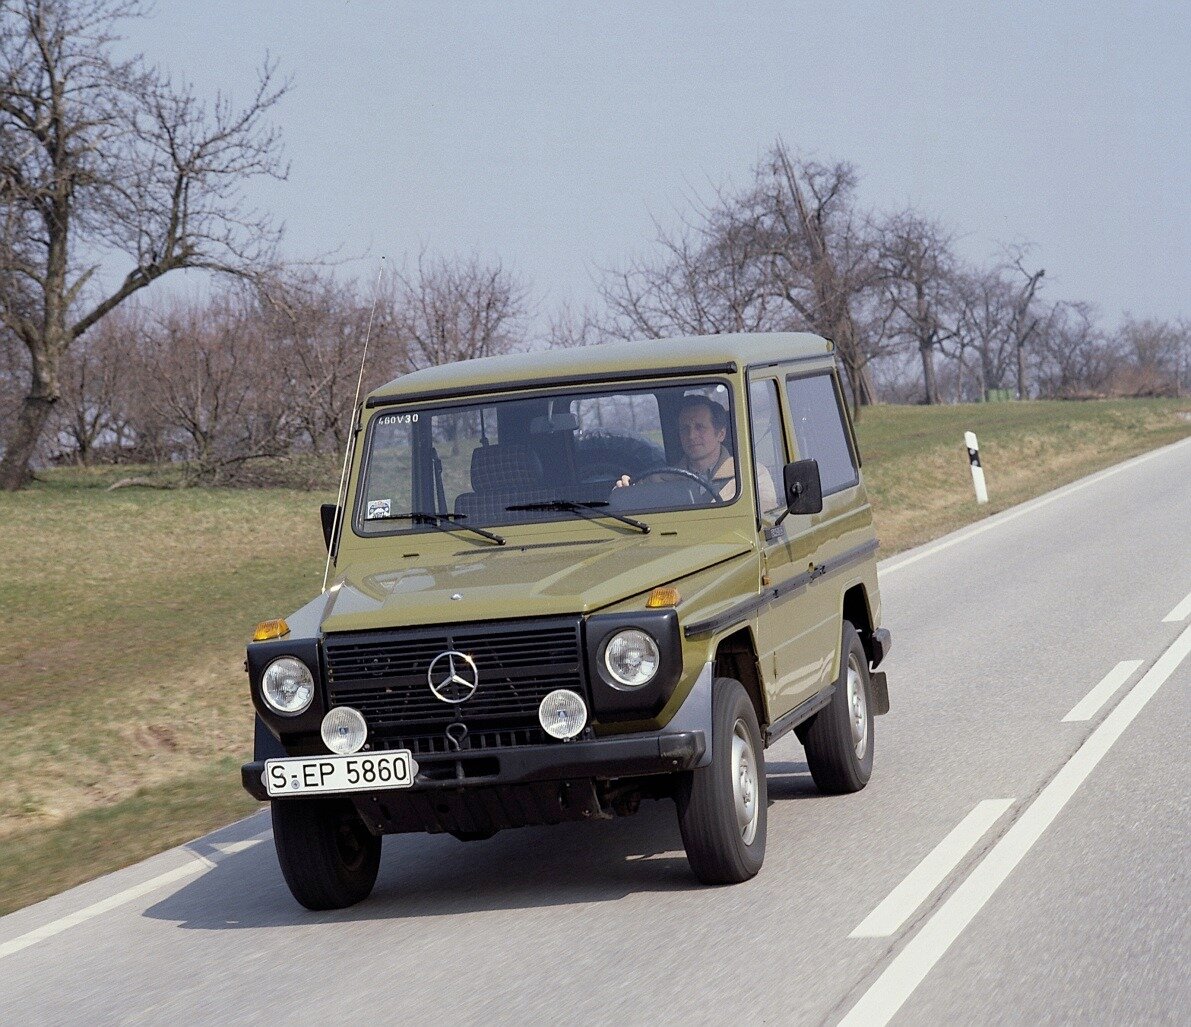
x,y
928,374
1022,392
44,391
868,389
22,441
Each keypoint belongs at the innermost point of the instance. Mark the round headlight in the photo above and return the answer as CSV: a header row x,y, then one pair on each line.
x,y
344,730
632,658
562,713
287,686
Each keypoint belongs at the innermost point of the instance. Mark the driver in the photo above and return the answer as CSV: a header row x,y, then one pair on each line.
x,y
702,430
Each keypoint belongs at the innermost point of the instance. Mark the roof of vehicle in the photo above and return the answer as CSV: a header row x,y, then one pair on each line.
x,y
541,367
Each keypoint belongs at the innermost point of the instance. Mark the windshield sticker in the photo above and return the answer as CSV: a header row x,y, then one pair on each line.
x,y
377,508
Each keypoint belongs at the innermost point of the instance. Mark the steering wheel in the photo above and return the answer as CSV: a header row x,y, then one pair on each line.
x,y
667,469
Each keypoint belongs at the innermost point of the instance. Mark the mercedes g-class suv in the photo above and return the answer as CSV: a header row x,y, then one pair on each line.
x,y
564,582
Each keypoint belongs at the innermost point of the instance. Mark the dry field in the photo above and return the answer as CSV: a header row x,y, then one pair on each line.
x,y
126,615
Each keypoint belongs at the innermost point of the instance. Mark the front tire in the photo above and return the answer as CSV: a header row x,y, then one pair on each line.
x,y
328,856
839,738
723,807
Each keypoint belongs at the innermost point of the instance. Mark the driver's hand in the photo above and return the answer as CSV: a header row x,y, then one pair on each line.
x,y
622,481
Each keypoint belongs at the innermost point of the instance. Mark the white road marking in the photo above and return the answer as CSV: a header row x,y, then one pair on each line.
x,y
963,534
878,1005
197,864
1090,704
193,866
1180,612
888,917
231,848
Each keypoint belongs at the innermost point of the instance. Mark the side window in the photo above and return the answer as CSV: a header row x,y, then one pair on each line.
x,y
819,430
769,448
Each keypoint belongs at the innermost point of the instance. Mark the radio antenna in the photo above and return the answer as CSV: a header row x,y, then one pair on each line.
x,y
341,496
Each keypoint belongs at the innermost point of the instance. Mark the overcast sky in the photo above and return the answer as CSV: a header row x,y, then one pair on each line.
x,y
549,133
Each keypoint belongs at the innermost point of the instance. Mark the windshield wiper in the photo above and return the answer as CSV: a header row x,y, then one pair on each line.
x,y
581,509
435,520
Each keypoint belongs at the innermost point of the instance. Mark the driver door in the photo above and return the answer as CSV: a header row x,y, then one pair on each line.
x,y
786,629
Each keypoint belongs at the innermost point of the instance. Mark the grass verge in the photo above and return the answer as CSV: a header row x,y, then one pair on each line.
x,y
41,863
126,614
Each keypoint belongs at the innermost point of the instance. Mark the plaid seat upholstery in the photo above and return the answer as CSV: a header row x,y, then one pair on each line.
x,y
499,468
502,476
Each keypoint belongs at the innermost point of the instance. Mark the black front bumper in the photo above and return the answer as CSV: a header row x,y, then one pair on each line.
x,y
597,759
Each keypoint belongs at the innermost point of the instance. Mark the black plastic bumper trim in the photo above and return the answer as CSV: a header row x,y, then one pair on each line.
x,y
627,756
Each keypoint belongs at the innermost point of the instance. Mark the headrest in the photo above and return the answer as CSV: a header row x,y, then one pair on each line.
x,y
564,420
504,467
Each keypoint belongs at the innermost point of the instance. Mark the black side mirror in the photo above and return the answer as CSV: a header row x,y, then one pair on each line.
x,y
803,489
329,513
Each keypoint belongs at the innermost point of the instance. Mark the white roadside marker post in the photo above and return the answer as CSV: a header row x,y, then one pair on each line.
x,y
977,470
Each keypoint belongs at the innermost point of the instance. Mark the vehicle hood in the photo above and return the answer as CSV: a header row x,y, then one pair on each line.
x,y
515,581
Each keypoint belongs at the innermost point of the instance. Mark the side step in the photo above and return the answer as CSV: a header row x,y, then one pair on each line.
x,y
803,711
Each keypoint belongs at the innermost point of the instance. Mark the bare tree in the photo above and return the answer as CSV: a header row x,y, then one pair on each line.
x,y
102,159
998,313
917,275
1152,354
96,381
208,376
569,328
318,325
1025,319
708,277
444,310
788,252
1075,358
820,253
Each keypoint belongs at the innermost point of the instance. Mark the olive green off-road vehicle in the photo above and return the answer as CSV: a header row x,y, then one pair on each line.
x,y
565,582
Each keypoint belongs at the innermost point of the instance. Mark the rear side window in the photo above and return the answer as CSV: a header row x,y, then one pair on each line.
x,y
820,432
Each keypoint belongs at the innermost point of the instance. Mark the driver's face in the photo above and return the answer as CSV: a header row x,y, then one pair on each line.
x,y
700,440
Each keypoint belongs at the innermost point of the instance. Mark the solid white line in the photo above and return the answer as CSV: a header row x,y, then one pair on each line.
x,y
888,917
1180,612
193,866
231,848
897,982
896,563
1090,704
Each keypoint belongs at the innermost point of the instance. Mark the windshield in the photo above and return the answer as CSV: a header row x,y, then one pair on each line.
x,y
537,458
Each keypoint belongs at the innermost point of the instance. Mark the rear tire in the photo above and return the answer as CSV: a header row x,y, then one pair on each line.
x,y
839,738
328,856
722,808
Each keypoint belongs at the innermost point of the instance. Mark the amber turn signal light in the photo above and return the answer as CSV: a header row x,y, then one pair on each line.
x,y
662,597
267,629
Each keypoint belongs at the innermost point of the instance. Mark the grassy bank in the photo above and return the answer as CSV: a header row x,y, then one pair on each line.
x,y
126,614
917,468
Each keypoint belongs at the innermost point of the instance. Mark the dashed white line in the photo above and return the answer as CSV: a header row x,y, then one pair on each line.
x,y
878,1005
897,907
1180,612
1090,704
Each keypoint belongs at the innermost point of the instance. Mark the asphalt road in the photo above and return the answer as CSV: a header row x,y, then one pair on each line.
x,y
1005,864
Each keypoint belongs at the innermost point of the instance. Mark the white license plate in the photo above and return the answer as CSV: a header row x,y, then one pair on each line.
x,y
319,775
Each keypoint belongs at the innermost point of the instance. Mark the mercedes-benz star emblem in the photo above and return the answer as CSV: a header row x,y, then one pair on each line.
x,y
453,676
